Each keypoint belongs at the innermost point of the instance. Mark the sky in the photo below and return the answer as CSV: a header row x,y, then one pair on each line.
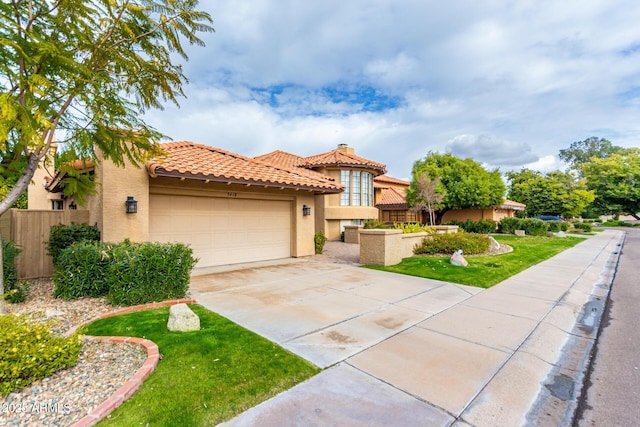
x,y
507,83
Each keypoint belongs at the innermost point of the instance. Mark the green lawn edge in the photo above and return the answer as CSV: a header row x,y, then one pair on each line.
x,y
485,271
204,377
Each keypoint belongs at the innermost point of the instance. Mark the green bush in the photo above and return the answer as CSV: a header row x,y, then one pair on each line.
x,y
583,226
30,351
148,272
482,226
531,226
82,270
556,226
126,273
62,236
15,291
319,239
469,243
412,227
374,223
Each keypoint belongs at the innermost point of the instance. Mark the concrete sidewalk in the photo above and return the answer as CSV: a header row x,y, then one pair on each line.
x,y
406,354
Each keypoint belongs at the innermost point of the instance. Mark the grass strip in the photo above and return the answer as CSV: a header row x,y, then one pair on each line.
x,y
204,377
485,271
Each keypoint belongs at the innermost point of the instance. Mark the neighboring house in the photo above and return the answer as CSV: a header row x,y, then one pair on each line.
x,y
393,207
355,204
48,195
230,208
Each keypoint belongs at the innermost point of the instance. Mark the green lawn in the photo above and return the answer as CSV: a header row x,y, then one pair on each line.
x,y
485,271
204,377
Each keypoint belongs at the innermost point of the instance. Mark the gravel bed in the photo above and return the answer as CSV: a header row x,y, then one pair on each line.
x,y
69,394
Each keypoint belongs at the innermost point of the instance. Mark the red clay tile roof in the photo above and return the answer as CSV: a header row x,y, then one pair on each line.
x,y
392,198
391,180
510,204
53,184
197,161
340,159
281,158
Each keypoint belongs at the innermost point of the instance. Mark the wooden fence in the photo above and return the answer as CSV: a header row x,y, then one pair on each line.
x,y
29,230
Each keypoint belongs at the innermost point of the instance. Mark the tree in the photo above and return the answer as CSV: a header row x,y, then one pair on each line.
x,y
465,183
86,70
429,195
582,151
616,182
556,193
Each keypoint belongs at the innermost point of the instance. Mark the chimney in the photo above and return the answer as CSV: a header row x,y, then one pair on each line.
x,y
344,148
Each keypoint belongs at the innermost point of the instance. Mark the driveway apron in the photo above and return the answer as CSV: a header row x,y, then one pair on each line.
x,y
401,350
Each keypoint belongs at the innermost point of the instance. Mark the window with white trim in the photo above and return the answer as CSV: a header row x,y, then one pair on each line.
x,y
358,188
356,198
345,196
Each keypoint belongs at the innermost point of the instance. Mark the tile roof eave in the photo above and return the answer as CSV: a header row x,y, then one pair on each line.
x,y
160,172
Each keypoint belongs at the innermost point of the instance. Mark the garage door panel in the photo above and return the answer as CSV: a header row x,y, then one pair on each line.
x,y
223,231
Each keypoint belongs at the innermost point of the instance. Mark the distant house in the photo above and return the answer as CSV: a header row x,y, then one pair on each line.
x,y
391,202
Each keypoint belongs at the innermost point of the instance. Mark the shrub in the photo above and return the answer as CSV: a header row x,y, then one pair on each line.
x,y
470,243
82,270
482,226
583,226
15,291
509,225
126,273
374,223
531,226
555,226
140,273
412,227
30,351
319,239
62,236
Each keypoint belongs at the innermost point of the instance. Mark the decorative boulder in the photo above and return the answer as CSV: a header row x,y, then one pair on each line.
x,y
182,319
458,259
493,245
561,234
519,232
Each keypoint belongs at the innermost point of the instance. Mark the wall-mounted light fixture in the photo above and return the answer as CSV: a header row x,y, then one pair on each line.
x,y
306,210
132,205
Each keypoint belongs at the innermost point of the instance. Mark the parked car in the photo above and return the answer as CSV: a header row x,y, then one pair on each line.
x,y
549,218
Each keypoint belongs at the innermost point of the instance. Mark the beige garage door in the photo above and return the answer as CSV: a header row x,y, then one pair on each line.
x,y
223,231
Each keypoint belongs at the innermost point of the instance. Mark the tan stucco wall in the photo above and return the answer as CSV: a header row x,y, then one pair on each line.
x,y
464,214
115,185
37,196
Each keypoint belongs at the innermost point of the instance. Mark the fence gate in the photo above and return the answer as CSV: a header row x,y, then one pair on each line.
x,y
29,230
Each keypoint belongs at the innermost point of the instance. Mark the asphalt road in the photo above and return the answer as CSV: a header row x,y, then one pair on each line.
x,y
612,395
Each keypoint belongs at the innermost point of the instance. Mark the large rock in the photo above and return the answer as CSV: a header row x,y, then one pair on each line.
x,y
182,319
458,259
493,245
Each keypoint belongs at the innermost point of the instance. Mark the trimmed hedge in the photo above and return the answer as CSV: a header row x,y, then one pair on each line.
x,y
583,226
319,239
14,291
531,226
125,273
30,351
470,243
62,236
556,226
482,226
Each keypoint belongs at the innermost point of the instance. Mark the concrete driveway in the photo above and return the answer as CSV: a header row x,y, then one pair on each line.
x,y
323,311
405,351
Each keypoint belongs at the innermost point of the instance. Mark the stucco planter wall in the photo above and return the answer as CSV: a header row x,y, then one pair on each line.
x,y
389,247
351,233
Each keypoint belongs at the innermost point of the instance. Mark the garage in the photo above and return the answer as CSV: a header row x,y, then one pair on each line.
x,y
222,230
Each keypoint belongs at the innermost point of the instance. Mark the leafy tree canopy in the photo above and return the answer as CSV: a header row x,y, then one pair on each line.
x,y
556,193
88,69
582,151
616,182
465,183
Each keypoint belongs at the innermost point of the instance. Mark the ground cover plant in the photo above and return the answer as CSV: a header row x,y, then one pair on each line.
x,y
485,271
204,377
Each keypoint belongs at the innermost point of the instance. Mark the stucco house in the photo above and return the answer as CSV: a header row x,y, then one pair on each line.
x,y
392,206
229,208
355,204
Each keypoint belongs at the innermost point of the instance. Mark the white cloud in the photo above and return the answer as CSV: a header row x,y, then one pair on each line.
x,y
502,82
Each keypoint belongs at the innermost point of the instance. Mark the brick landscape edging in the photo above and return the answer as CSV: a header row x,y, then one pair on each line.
x,y
131,385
